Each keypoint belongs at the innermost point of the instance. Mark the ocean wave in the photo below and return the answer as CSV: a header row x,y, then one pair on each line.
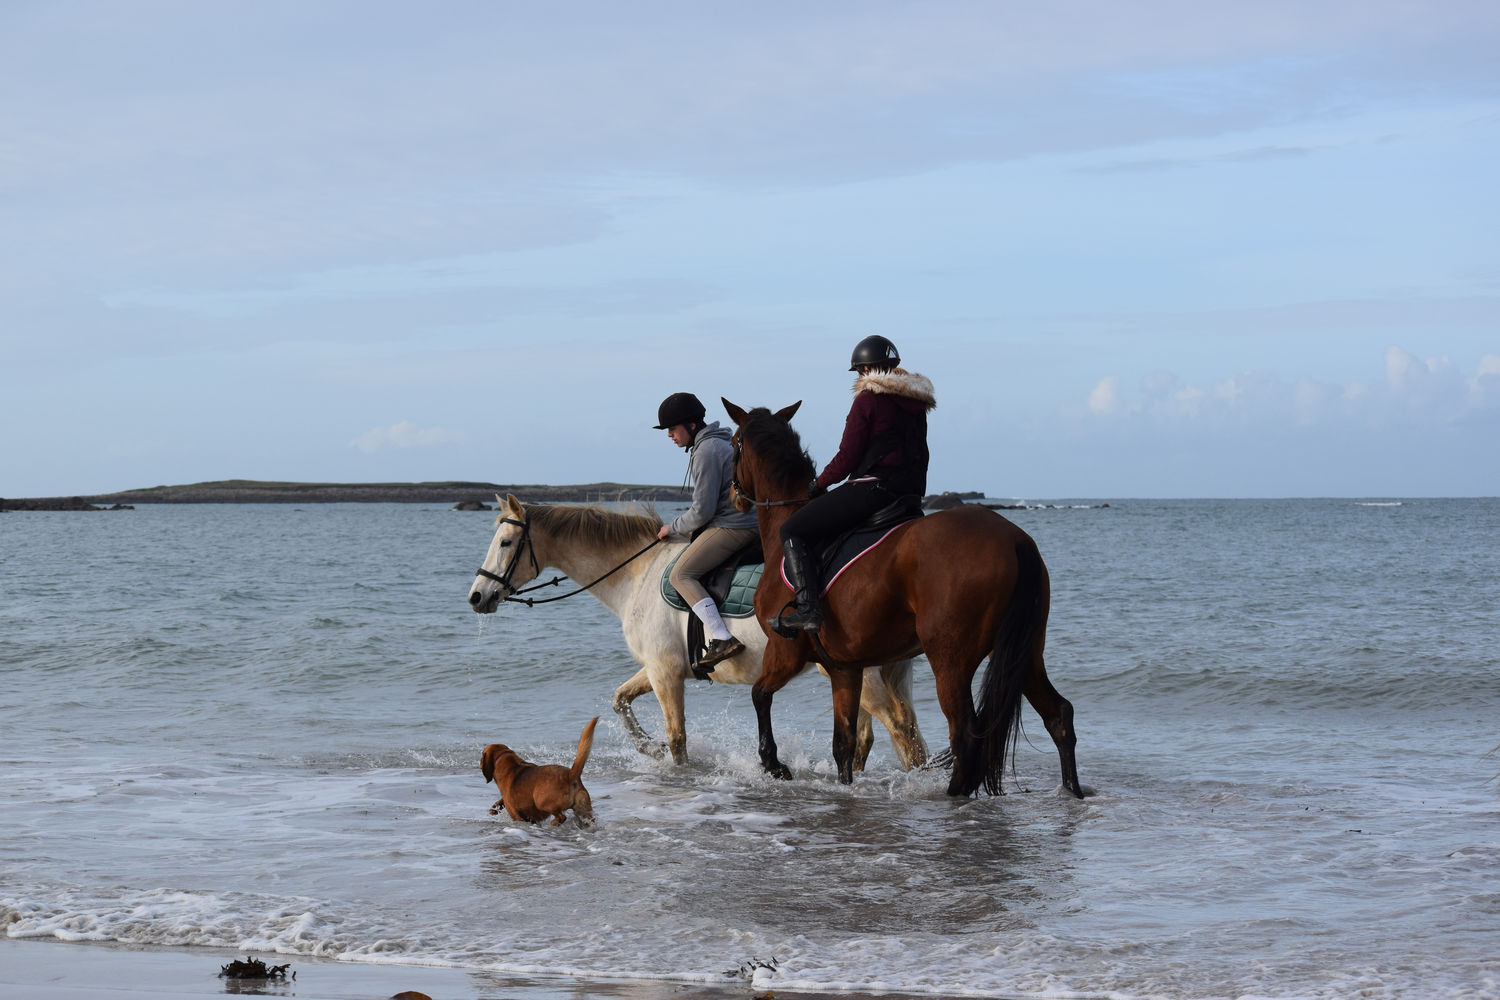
x,y
178,918
1027,963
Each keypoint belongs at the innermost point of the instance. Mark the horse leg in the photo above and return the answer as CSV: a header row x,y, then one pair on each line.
x,y
761,699
870,694
624,695
846,686
781,661
669,692
956,698
887,696
1057,714
864,740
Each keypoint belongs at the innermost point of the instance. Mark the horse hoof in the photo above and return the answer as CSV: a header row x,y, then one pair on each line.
x,y
656,751
780,772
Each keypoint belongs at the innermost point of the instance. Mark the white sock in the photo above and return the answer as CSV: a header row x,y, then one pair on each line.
x,y
708,613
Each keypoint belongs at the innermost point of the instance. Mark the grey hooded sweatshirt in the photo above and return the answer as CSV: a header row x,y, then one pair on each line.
x,y
711,467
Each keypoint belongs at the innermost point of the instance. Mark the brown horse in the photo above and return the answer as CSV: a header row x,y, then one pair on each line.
x,y
958,585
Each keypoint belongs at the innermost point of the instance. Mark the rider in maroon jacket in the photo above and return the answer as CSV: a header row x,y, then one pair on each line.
x,y
883,456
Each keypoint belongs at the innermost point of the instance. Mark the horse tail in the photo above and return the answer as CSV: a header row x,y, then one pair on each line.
x,y
585,745
1004,683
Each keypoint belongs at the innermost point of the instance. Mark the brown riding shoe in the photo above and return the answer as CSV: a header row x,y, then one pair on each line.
x,y
718,651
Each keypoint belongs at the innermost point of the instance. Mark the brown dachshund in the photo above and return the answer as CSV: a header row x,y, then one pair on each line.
x,y
532,792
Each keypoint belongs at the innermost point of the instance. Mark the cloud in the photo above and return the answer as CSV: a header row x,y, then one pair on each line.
x,y
1431,392
403,435
337,133
1256,154
1484,387
1105,398
1435,388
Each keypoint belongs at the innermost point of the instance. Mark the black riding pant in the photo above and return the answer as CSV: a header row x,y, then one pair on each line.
x,y
836,511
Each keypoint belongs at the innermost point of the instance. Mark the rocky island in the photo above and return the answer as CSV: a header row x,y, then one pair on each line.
x,y
255,491
461,495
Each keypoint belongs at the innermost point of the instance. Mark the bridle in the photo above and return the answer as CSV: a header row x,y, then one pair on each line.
x,y
734,482
504,579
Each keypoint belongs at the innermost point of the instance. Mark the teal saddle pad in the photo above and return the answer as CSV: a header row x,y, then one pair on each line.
x,y
738,603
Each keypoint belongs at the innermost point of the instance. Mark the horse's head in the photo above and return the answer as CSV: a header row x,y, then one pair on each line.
x,y
510,563
770,467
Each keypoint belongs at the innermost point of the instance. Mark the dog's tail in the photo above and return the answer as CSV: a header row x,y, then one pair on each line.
x,y
585,745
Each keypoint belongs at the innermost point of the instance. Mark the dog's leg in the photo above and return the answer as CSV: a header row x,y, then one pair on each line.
x,y
499,803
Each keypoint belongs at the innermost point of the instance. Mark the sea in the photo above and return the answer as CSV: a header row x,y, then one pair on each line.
x,y
257,727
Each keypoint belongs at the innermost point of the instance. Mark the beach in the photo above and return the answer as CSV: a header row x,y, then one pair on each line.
x,y
53,970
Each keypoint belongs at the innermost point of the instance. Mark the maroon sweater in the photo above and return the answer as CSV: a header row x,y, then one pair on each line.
x,y
885,434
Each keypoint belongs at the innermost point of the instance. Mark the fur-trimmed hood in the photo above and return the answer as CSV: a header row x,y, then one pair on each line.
x,y
899,382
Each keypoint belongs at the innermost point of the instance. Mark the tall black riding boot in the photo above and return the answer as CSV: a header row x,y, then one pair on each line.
x,y
802,573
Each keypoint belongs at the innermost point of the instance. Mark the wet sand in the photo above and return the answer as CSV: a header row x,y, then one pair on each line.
x,y
56,970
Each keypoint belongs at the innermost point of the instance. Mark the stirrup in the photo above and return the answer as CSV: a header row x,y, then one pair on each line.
x,y
790,624
718,651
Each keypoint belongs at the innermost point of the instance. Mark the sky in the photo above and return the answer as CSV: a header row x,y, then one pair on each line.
x,y
1155,249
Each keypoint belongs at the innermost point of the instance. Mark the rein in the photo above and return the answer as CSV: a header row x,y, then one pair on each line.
x,y
503,579
734,484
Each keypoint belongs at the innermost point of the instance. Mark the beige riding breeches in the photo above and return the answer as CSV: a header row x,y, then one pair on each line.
x,y
703,554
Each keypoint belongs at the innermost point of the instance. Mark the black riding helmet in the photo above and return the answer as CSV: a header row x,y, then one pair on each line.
x,y
679,408
876,352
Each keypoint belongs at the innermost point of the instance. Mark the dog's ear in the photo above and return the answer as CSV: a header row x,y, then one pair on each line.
x,y
487,761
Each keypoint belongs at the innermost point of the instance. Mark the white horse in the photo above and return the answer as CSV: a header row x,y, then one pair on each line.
x,y
587,543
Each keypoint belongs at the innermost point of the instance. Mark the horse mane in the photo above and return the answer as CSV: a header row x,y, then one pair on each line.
x,y
778,445
593,526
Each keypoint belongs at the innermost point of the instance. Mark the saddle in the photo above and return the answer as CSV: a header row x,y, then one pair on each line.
x,y
732,586
840,552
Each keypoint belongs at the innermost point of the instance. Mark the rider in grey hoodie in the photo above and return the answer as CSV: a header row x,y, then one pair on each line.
x,y
717,529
